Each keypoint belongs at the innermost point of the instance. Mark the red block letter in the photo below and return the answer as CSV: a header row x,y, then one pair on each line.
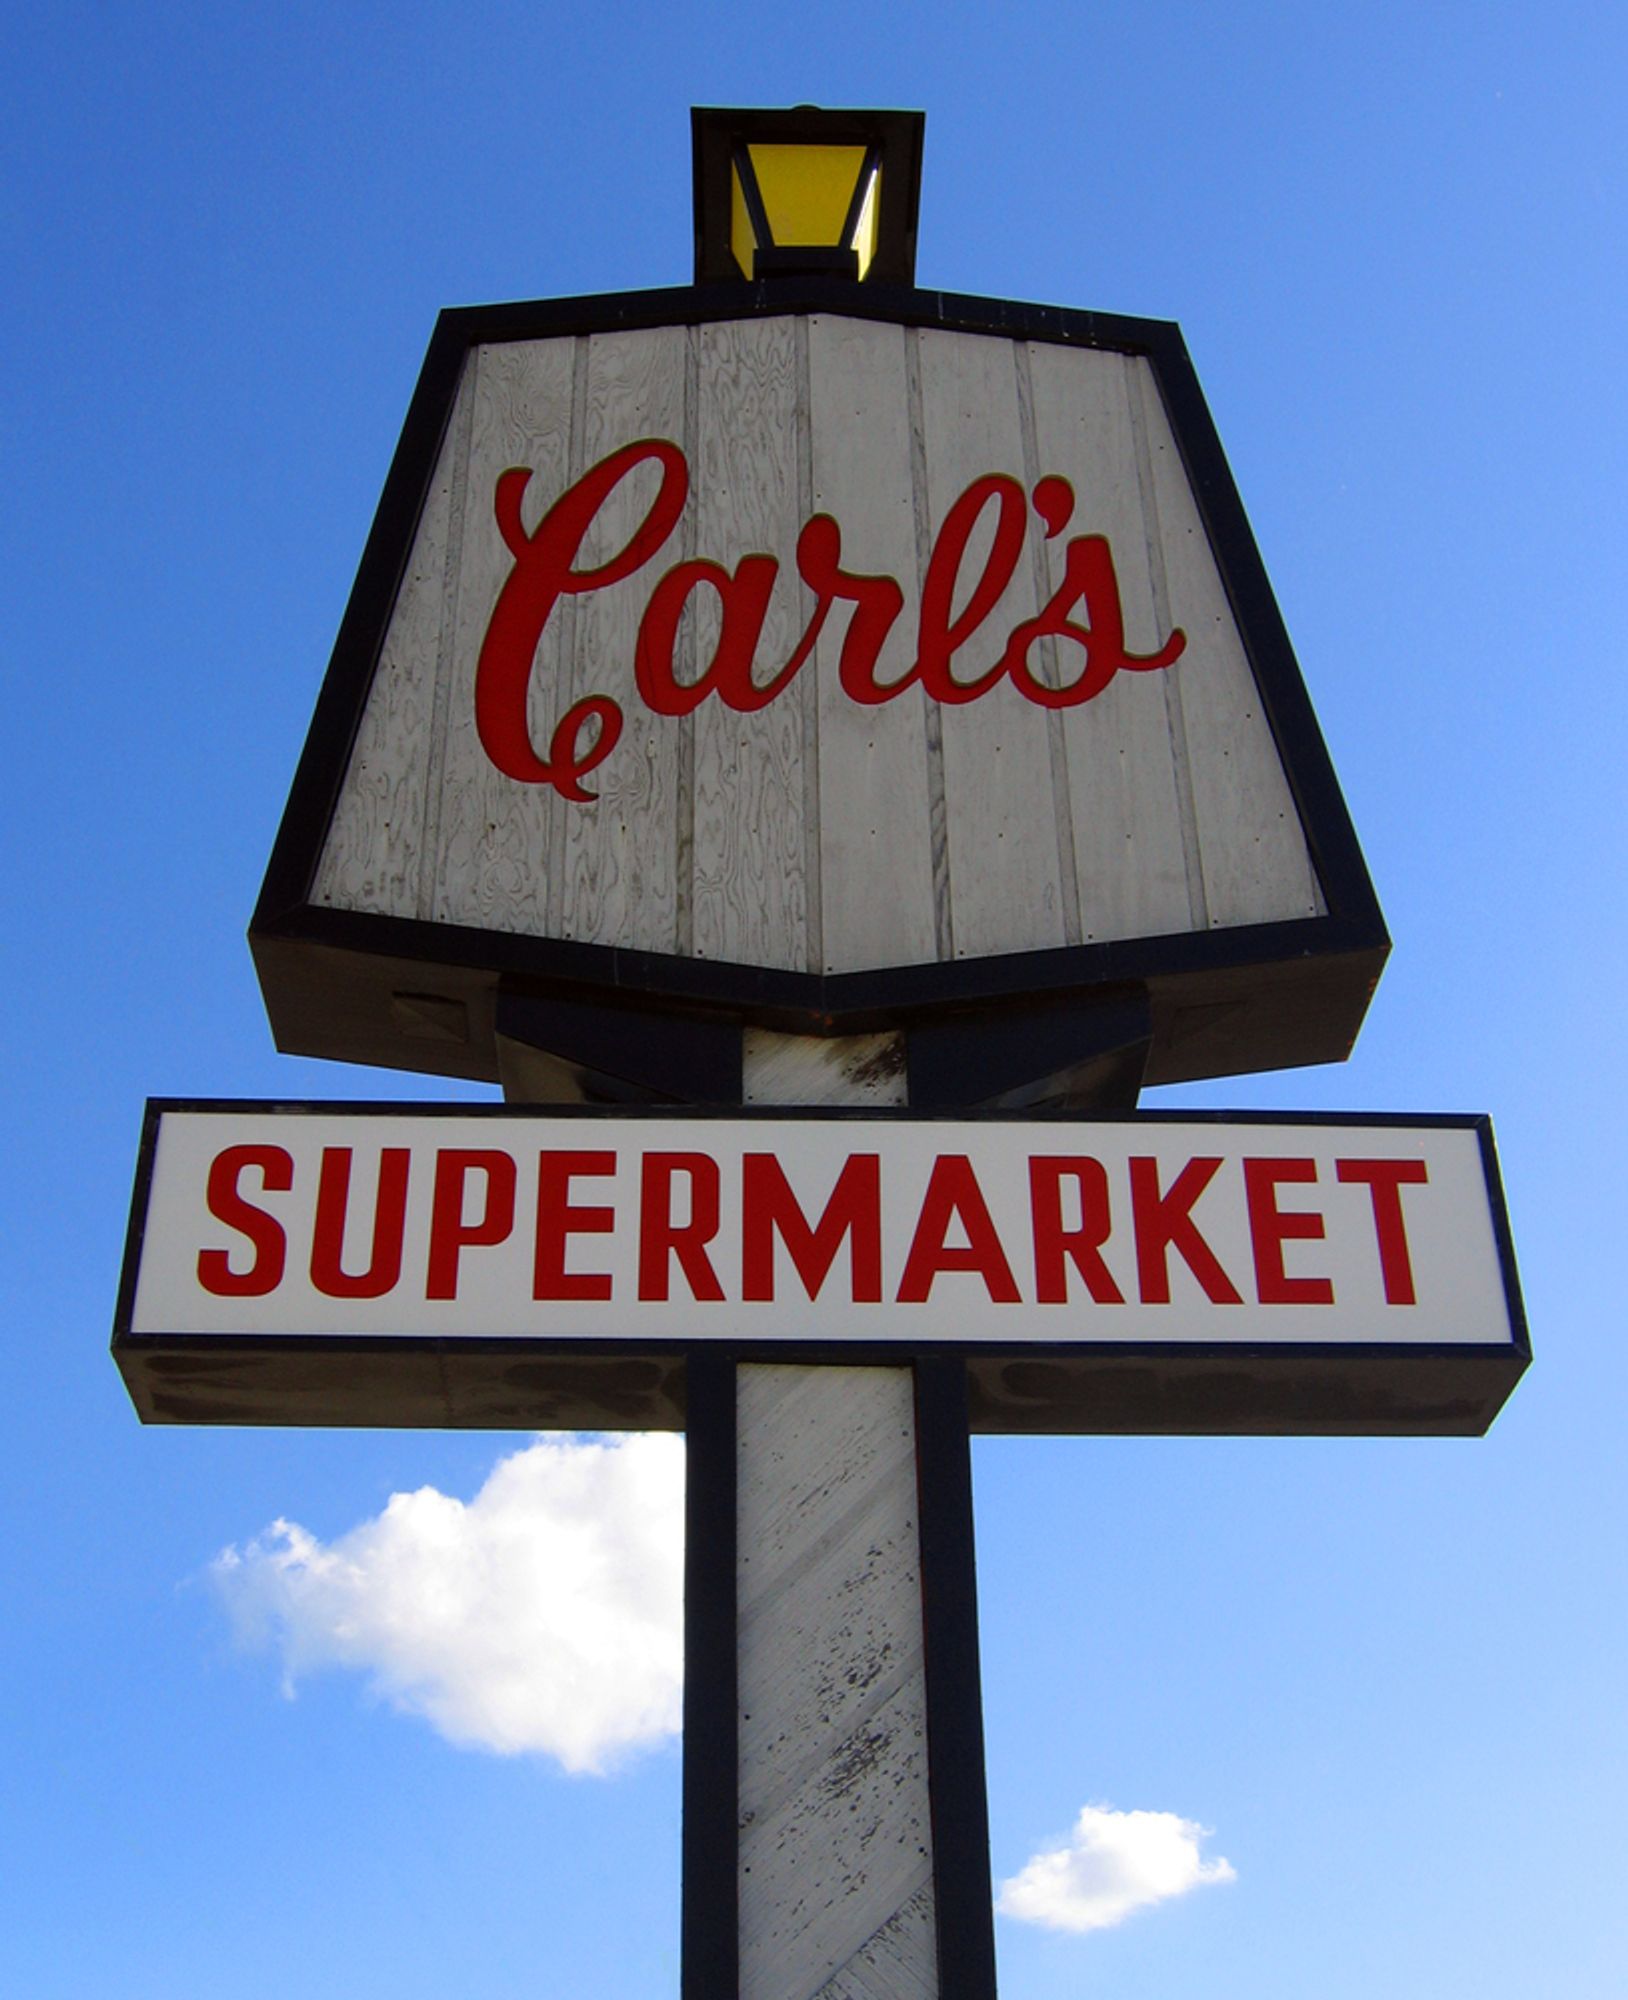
x,y
265,1274
661,1238
389,1225
854,1210
449,1232
1270,1229
953,1192
557,1219
1164,1222
1385,1180
1053,1244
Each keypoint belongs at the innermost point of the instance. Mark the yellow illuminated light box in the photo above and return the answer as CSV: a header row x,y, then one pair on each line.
x,y
806,193
809,206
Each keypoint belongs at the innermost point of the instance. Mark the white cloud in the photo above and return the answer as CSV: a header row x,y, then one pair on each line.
x,y
1111,1864
545,1615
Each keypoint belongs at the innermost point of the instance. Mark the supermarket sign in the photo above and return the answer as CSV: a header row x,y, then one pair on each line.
x,y
1358,1268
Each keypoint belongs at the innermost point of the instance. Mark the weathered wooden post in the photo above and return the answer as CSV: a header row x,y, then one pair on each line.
x,y
822,746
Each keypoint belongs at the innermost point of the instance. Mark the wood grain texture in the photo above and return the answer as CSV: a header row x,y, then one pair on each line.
x,y
1005,889
375,843
1252,848
749,895
1125,810
819,834
875,828
619,867
835,1844
1044,662
494,839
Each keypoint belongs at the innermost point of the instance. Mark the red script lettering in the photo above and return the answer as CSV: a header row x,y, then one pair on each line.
x,y
545,570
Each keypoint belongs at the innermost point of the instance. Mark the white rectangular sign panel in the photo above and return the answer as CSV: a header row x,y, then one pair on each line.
x,y
1255,1232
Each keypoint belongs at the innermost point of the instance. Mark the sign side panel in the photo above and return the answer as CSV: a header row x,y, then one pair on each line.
x,y
1256,862
374,854
486,862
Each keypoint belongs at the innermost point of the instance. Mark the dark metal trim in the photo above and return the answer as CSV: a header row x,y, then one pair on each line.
x,y
869,166
1243,1391
740,163
710,1920
1065,1054
958,1793
1503,1237
823,1003
135,1233
845,1353
780,261
1402,1121
627,1055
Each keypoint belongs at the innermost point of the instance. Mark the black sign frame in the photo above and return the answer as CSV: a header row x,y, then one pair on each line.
x,y
363,987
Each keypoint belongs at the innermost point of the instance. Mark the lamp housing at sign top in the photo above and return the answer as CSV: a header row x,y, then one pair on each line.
x,y
806,193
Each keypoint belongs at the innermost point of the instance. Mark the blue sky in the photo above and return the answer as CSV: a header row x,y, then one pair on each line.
x,y
1388,1675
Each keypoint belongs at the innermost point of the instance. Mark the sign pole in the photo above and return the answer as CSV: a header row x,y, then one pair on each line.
x,y
835,1818
836,1821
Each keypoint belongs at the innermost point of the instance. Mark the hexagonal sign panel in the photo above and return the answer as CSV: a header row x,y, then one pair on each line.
x,y
819,661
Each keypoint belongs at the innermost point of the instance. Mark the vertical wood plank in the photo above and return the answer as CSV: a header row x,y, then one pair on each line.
x,y
619,876
684,847
808,688
749,896
938,818
1043,662
1256,865
376,841
494,833
1124,803
1005,886
874,810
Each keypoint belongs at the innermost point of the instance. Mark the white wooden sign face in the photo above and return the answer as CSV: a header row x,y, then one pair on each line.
x,y
1024,718
339,1222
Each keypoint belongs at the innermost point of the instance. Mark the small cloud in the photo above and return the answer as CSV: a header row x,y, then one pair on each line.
x,y
1111,1864
544,1616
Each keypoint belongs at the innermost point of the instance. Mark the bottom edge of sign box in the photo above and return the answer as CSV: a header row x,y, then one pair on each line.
x,y
1304,1390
